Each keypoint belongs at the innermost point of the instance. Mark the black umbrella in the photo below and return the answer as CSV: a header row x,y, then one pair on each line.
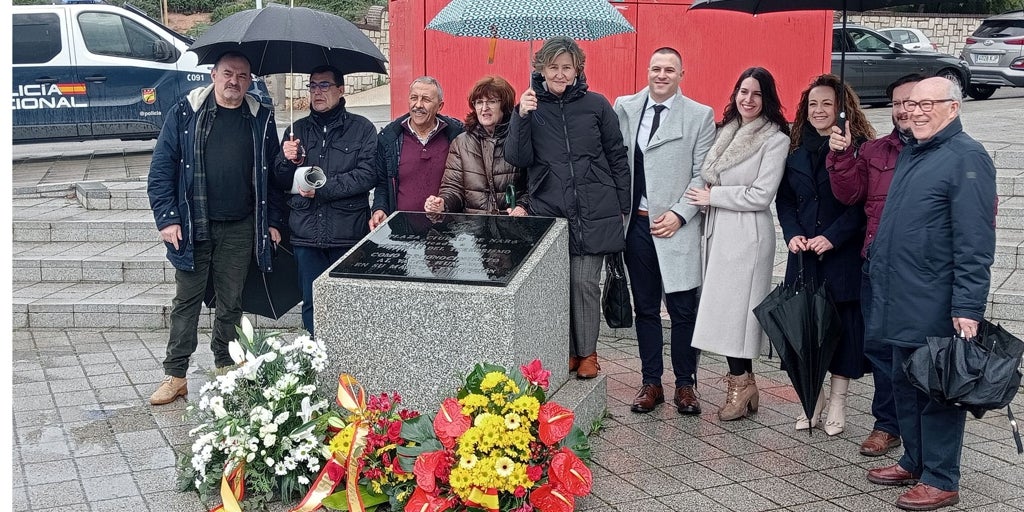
x,y
803,325
279,39
269,294
766,6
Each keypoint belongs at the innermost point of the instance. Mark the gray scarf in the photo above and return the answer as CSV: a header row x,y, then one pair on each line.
x,y
735,143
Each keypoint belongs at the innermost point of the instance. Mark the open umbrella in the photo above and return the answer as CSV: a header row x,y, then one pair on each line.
x,y
803,325
766,6
529,20
279,39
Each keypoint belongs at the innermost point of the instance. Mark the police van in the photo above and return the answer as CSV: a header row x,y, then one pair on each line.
x,y
94,71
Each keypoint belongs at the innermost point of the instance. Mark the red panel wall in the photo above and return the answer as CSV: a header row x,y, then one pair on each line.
x,y
716,46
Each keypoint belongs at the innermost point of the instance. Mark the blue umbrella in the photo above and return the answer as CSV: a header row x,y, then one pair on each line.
x,y
529,20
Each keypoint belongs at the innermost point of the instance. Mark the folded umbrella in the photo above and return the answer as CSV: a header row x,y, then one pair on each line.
x,y
268,294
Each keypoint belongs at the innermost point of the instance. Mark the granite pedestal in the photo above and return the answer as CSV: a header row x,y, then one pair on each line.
x,y
421,300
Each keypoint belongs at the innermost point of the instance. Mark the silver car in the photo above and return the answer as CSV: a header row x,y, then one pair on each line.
x,y
995,53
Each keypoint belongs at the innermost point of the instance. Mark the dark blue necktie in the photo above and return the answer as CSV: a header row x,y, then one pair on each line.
x,y
639,181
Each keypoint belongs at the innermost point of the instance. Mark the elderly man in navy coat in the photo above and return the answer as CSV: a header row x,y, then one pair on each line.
x,y
930,275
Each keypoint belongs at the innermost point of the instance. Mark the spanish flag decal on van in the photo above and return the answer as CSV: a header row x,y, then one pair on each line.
x,y
149,96
71,89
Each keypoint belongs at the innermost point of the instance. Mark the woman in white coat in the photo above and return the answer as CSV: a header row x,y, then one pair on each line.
x,y
742,172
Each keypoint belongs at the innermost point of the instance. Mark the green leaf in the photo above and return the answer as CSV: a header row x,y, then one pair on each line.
x,y
407,454
578,442
418,430
476,377
339,500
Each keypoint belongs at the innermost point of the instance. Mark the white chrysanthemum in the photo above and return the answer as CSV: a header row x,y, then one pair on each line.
x,y
269,440
217,407
283,417
302,480
251,457
269,461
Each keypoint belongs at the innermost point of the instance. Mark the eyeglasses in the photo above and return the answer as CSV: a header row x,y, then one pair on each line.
x,y
488,103
926,105
323,86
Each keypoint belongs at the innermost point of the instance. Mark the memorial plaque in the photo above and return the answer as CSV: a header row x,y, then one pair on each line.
x,y
445,248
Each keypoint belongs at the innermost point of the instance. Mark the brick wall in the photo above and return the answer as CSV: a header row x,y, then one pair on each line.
x,y
948,31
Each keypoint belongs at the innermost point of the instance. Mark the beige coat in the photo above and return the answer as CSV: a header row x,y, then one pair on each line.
x,y
672,164
739,246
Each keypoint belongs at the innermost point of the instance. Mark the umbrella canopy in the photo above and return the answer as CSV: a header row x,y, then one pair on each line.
x,y
269,294
279,39
529,20
803,325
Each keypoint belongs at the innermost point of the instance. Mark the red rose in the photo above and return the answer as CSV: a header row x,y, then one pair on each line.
x,y
534,473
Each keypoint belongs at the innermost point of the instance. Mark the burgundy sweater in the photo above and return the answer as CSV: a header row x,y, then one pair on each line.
x,y
420,168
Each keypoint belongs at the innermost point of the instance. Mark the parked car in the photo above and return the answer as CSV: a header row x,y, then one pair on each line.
x,y
873,62
911,38
95,71
995,53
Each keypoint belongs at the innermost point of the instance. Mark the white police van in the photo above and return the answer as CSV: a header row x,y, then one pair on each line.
x,y
94,71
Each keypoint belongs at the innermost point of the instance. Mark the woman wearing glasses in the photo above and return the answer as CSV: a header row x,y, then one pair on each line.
x,y
327,221
825,233
477,179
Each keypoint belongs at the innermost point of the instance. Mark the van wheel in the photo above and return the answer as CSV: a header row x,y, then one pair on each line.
x,y
981,92
953,76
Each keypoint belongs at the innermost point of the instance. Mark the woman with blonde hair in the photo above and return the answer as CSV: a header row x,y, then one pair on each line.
x,y
825,233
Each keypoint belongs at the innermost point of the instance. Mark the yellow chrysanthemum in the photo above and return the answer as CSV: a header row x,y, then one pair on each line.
x,y
527,406
342,441
491,380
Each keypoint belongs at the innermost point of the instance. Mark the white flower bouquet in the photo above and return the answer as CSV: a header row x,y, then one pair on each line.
x,y
257,422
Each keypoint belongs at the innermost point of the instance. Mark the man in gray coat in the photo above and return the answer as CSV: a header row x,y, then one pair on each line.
x,y
667,135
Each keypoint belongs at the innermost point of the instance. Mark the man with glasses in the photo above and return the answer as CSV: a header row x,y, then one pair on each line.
x,y
930,275
411,152
213,207
862,176
668,136
326,222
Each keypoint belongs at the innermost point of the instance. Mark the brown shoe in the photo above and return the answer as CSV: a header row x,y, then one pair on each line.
x,y
574,363
170,389
588,368
879,443
740,397
891,475
686,401
649,396
926,497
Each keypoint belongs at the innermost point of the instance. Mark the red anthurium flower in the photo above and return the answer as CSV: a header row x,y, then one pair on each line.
x,y
555,422
421,501
450,423
426,468
549,499
569,473
536,374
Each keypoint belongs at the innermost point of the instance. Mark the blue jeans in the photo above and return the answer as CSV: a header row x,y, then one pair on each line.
x,y
312,262
883,406
933,434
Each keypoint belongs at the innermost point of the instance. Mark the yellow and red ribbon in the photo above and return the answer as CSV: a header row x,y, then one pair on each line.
x,y
232,489
485,499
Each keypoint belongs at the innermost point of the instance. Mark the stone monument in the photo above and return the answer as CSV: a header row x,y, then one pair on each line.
x,y
423,298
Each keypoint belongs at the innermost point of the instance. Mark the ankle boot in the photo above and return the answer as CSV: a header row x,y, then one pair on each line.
x,y
740,397
835,422
803,423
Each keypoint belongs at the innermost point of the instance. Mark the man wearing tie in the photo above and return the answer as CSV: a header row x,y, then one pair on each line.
x,y
667,135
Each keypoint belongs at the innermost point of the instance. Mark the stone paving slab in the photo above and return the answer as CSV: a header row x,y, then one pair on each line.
x,y
85,438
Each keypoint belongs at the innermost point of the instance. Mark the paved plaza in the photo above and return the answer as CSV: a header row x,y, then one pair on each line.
x,y
92,291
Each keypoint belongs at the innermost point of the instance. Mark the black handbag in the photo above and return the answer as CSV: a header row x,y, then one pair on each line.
x,y
618,311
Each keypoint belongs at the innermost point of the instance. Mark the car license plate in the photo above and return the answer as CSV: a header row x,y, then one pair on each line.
x,y
987,59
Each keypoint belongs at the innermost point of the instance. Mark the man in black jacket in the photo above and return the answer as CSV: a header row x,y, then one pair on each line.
x,y
411,152
326,222
930,275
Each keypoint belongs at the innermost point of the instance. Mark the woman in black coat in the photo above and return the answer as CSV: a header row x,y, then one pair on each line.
x,y
825,234
569,140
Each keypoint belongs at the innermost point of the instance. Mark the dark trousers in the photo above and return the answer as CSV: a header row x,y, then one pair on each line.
x,y
933,434
313,261
879,354
225,259
645,282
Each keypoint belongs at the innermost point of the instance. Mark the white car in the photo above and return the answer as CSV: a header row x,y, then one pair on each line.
x,y
911,38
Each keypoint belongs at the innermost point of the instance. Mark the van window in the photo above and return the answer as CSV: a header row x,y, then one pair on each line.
x,y
111,34
37,38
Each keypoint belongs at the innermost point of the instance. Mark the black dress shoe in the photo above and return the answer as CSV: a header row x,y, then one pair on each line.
x,y
649,396
686,401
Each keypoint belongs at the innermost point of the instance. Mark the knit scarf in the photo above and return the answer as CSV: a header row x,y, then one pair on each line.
x,y
734,143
